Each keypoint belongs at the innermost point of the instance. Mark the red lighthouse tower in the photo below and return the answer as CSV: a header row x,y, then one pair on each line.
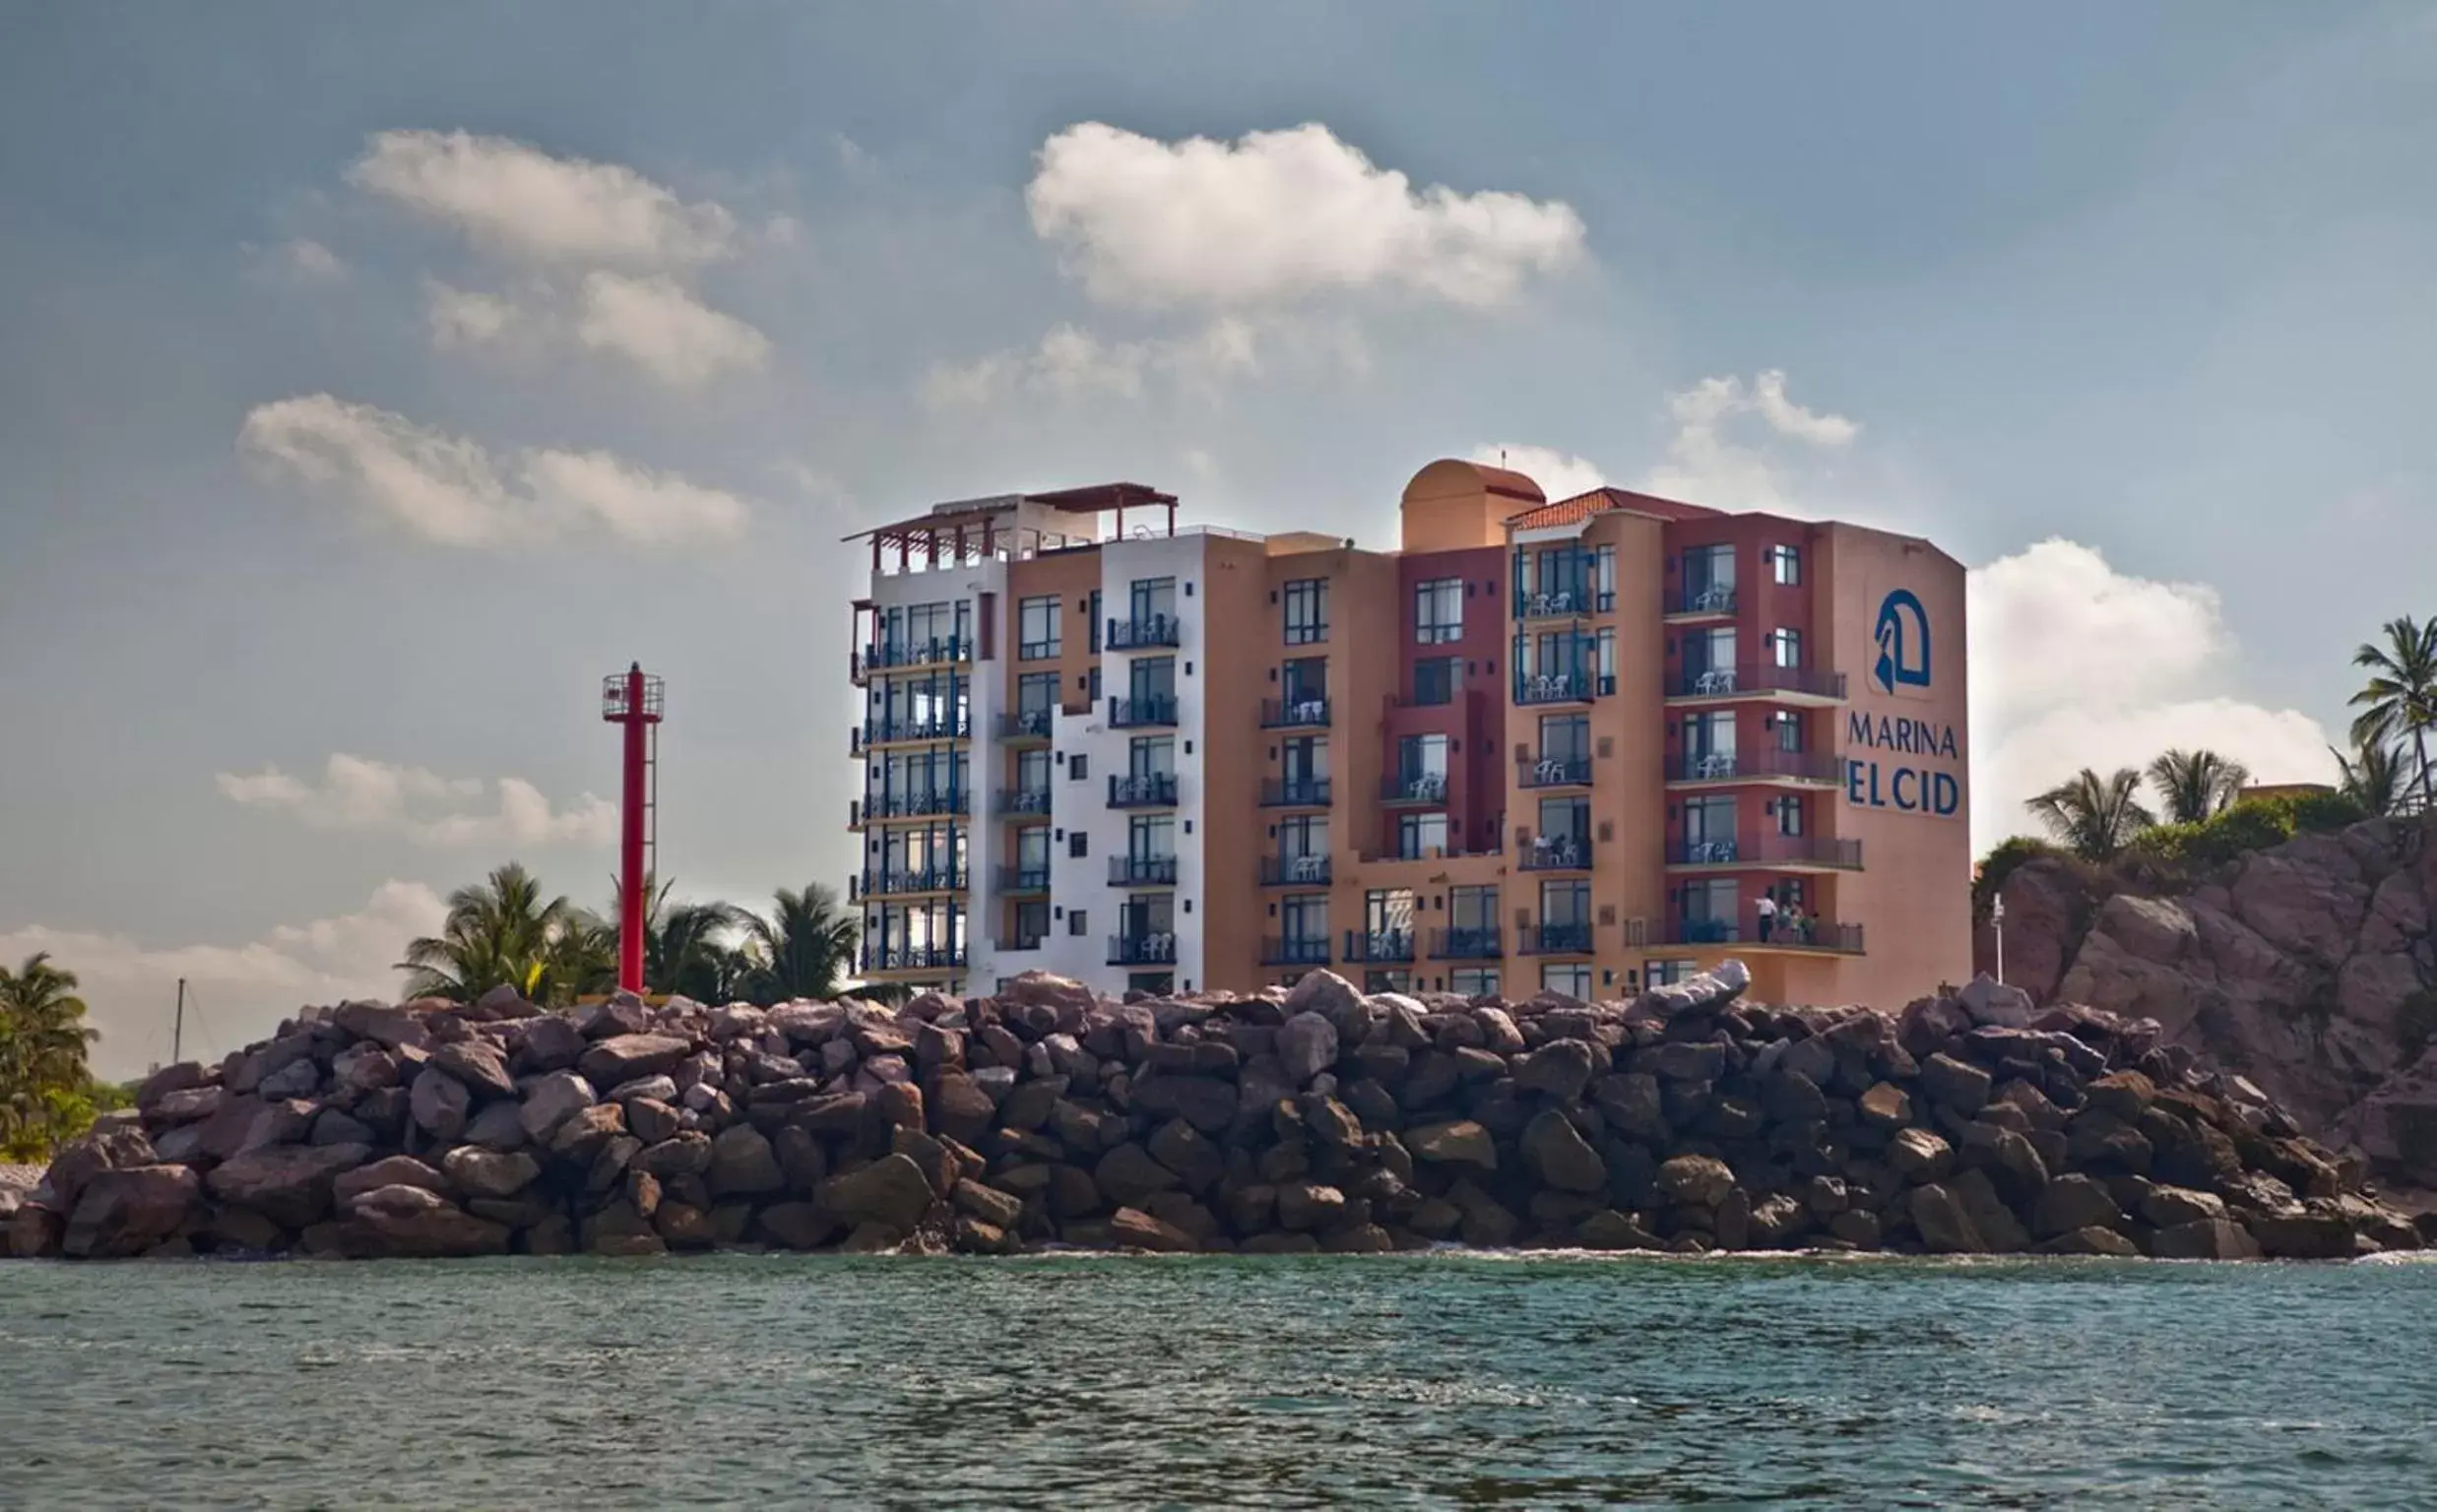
x,y
632,700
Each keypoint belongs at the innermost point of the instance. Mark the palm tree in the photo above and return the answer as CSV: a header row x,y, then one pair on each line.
x,y
500,931
802,950
685,950
2197,783
2398,701
2373,778
43,1041
2095,817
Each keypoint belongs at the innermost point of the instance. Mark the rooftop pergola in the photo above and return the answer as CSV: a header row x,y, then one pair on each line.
x,y
979,529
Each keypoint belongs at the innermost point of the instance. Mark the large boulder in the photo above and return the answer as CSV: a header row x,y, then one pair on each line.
x,y
440,1104
1307,1043
1557,1153
479,1065
479,1172
412,1223
744,1164
551,1099
128,1209
290,1184
394,1171
1696,1181
891,1191
1560,1069
626,1057
1458,1143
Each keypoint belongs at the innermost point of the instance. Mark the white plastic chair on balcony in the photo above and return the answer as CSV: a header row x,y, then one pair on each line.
x,y
1429,785
1717,764
1551,770
1715,681
1308,868
1312,711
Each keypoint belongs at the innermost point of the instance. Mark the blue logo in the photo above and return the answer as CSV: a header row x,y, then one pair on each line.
x,y
1903,643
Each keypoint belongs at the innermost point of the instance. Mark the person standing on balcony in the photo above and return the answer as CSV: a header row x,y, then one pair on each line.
x,y
1767,909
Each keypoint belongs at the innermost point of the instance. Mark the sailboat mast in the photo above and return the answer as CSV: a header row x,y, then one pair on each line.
x,y
177,1028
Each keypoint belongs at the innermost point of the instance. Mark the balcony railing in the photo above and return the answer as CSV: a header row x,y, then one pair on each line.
x,y
1554,772
1703,598
1804,934
1142,950
1561,687
1295,792
1294,871
1756,679
1147,631
914,805
1148,710
1026,725
1294,952
942,726
1376,946
1845,855
1023,803
1548,852
1024,879
880,656
1474,944
1760,765
1019,945
1143,790
1143,871
1562,603
913,958
1420,790
918,879
1555,939
1294,713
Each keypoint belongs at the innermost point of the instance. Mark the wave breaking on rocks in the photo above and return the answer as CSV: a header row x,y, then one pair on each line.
x,y
1315,1119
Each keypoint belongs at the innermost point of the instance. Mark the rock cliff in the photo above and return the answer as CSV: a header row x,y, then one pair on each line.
x,y
2308,969
1317,1119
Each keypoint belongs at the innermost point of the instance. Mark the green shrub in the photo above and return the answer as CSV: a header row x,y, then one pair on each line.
x,y
2009,856
2318,813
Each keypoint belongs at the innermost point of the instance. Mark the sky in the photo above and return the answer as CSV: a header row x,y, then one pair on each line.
x,y
377,379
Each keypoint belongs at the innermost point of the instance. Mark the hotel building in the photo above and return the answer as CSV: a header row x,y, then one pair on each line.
x,y
1584,746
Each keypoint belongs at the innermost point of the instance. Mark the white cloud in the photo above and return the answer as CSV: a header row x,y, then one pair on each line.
x,y
665,330
1278,216
450,490
1714,460
458,317
235,994
1073,364
520,202
2075,665
309,261
360,793
1560,475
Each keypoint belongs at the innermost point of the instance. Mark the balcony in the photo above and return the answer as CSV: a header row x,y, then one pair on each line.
x,y
1702,600
1377,947
1554,772
1023,803
913,958
1294,952
1768,765
1294,713
1020,945
1577,687
1024,879
1420,790
1769,852
1573,939
1817,936
943,726
1562,603
1143,790
1475,944
1295,792
1142,950
1549,852
898,883
889,655
1026,725
1763,680
1143,871
914,805
1295,871
1151,711
1143,633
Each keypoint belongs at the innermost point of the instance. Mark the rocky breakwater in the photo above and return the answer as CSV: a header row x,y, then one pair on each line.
x,y
1317,1119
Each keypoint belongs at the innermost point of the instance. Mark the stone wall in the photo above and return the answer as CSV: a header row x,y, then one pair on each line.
x,y
1310,1121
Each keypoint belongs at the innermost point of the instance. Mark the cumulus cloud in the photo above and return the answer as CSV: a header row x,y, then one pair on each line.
x,y
1724,451
520,202
458,317
236,993
1558,475
360,793
309,261
2077,664
450,490
1276,217
1073,364
665,330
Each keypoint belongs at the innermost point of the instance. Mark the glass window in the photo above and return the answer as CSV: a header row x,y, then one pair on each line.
x,y
1091,612
1710,651
1075,923
1387,910
1032,771
1473,982
1438,679
1032,924
1564,738
1078,767
1789,730
1574,981
1709,578
1304,835
1306,681
1607,658
1564,822
1439,611
1152,677
1788,647
1032,849
1148,914
1566,902
1789,816
1036,628
1151,837
1422,758
1660,974
1785,565
1397,981
1036,693
1154,601
1152,756
1305,758
1078,842
1307,611
1304,917
1421,835
1095,682
1710,821
1472,908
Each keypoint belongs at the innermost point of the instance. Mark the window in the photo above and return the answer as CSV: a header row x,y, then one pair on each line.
x,y
1152,677
1472,908
1092,611
1154,601
1036,628
1574,981
1661,974
1564,738
1304,917
1387,914
1439,611
1032,771
1095,682
1786,566
1438,679
1473,982
1422,759
1709,827
1789,730
1711,910
1710,651
1787,647
1305,759
1149,913
1398,980
1709,579
1607,658
1078,767
1078,842
1307,611
1566,904
1421,835
1036,693
1151,838
1303,837
1152,756
1306,681
1603,578
1565,824
1789,816
1709,744
1032,850
1075,923
1032,924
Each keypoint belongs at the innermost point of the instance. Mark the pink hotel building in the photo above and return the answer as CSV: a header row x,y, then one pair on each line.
x,y
1583,746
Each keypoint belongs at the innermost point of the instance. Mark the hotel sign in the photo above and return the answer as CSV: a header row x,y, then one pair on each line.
x,y
1895,760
